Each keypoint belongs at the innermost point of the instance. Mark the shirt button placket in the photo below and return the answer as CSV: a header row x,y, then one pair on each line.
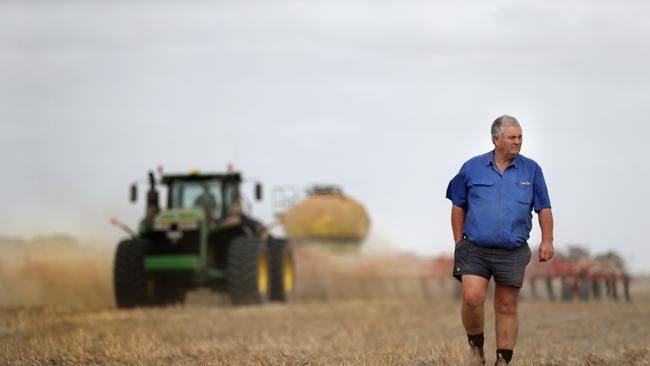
x,y
501,208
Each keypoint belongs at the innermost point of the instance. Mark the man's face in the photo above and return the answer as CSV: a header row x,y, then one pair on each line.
x,y
509,143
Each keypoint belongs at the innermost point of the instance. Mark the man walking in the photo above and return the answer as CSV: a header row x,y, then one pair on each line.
x,y
493,196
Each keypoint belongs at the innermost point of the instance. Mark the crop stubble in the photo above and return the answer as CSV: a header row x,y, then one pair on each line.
x,y
399,328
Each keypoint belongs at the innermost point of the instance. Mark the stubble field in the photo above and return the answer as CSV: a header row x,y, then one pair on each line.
x,y
338,318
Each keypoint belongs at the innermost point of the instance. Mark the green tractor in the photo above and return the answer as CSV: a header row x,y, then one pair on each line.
x,y
201,239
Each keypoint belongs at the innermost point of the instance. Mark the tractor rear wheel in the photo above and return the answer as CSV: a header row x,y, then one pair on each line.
x,y
282,270
247,271
130,279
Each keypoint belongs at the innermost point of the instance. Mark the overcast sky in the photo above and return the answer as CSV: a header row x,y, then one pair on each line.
x,y
386,98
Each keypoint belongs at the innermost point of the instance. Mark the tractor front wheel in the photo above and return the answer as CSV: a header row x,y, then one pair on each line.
x,y
130,279
247,271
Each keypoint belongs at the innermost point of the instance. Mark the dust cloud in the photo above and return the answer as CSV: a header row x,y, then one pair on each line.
x,y
60,270
55,270
376,270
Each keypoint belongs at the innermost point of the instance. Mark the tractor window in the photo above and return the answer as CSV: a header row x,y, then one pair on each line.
x,y
231,198
203,194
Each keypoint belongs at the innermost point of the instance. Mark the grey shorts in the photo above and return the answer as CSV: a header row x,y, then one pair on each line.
x,y
506,265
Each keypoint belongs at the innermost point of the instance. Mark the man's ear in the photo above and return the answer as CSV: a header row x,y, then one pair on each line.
x,y
494,140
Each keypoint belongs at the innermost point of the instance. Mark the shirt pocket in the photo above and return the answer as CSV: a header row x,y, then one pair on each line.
x,y
480,190
524,192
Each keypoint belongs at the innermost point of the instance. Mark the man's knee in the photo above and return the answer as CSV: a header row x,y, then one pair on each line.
x,y
506,306
474,298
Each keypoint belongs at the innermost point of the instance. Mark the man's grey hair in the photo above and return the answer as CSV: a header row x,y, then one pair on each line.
x,y
499,123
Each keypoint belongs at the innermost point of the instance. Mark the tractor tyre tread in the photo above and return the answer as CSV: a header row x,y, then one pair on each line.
x,y
242,270
129,274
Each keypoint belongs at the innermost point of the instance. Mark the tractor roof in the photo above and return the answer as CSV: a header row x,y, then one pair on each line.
x,y
193,177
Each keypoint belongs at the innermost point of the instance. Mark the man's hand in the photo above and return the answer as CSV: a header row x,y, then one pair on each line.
x,y
546,224
546,251
457,221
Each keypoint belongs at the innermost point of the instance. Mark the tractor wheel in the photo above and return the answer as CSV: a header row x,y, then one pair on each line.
x,y
614,289
247,271
595,289
567,290
130,279
549,288
626,288
583,289
283,277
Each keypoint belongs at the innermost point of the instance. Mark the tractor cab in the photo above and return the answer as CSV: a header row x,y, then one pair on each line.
x,y
213,197
216,194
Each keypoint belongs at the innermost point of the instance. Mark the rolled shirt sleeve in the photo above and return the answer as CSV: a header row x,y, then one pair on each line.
x,y
541,199
457,189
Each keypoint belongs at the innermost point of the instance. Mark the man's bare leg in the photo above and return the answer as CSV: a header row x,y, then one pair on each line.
x,y
472,312
505,310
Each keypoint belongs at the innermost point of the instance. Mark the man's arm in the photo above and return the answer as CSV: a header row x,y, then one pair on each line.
x,y
457,221
546,250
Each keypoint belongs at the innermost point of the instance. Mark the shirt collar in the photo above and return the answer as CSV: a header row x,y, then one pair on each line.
x,y
489,159
515,160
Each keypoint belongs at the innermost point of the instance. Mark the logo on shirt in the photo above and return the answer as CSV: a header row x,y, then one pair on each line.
x,y
524,183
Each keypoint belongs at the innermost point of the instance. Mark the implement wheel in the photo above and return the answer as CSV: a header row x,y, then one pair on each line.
x,y
247,271
132,287
283,278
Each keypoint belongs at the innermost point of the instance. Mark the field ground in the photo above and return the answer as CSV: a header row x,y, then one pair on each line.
x,y
353,332
60,311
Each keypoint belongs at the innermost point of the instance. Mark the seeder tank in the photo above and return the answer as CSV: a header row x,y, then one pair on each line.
x,y
328,215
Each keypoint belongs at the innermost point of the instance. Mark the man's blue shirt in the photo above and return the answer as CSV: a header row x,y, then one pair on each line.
x,y
498,205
